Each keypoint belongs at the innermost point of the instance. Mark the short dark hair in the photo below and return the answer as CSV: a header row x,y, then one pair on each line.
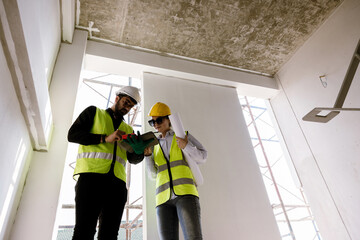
x,y
120,95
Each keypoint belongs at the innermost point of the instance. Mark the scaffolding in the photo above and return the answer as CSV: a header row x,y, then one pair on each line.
x,y
281,208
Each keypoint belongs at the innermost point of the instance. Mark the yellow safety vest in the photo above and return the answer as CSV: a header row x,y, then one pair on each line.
x,y
179,176
97,158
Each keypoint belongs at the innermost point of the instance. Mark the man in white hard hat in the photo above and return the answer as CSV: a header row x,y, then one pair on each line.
x,y
100,191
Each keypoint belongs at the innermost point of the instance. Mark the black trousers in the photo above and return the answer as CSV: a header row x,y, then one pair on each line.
x,y
98,197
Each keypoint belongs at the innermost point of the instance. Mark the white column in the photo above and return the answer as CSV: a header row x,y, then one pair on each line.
x,y
37,210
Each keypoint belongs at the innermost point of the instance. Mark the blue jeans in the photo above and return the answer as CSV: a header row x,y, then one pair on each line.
x,y
185,209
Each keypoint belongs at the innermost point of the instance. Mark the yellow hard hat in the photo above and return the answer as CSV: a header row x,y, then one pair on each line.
x,y
159,110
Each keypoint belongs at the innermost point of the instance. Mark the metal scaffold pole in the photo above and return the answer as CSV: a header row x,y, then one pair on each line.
x,y
270,170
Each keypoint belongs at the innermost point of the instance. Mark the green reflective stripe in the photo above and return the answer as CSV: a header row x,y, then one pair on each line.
x,y
163,187
181,181
101,155
173,164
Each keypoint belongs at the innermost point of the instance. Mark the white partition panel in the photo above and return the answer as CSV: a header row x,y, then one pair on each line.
x,y
233,199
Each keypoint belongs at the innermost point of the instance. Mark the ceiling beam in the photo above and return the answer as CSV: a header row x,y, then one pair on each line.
x,y
133,62
18,60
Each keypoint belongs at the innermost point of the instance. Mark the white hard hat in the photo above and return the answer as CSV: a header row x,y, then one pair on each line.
x,y
131,92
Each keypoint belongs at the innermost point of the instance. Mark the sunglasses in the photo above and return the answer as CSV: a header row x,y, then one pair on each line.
x,y
159,120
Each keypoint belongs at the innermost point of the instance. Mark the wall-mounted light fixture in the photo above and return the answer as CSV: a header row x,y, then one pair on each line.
x,y
323,80
318,114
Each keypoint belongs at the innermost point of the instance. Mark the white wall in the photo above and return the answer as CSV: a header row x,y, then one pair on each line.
x,y
15,145
31,37
40,22
326,155
233,199
15,149
37,211
41,25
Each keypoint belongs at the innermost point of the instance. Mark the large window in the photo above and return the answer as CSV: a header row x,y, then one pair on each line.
x,y
290,207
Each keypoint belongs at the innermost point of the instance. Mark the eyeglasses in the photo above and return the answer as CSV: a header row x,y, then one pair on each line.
x,y
159,120
128,103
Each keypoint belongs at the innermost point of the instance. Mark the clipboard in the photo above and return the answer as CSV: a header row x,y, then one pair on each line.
x,y
144,137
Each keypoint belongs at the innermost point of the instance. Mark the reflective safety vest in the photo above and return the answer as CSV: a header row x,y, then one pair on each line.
x,y
97,158
174,174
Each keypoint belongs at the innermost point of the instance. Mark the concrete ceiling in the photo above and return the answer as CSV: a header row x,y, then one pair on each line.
x,y
256,35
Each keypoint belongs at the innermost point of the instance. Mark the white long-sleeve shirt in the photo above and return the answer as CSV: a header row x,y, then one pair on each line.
x,y
193,148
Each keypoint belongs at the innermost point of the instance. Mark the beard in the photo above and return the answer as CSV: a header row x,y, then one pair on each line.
x,y
119,111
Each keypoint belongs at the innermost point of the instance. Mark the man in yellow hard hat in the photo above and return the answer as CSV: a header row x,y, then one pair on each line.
x,y
177,198
100,192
